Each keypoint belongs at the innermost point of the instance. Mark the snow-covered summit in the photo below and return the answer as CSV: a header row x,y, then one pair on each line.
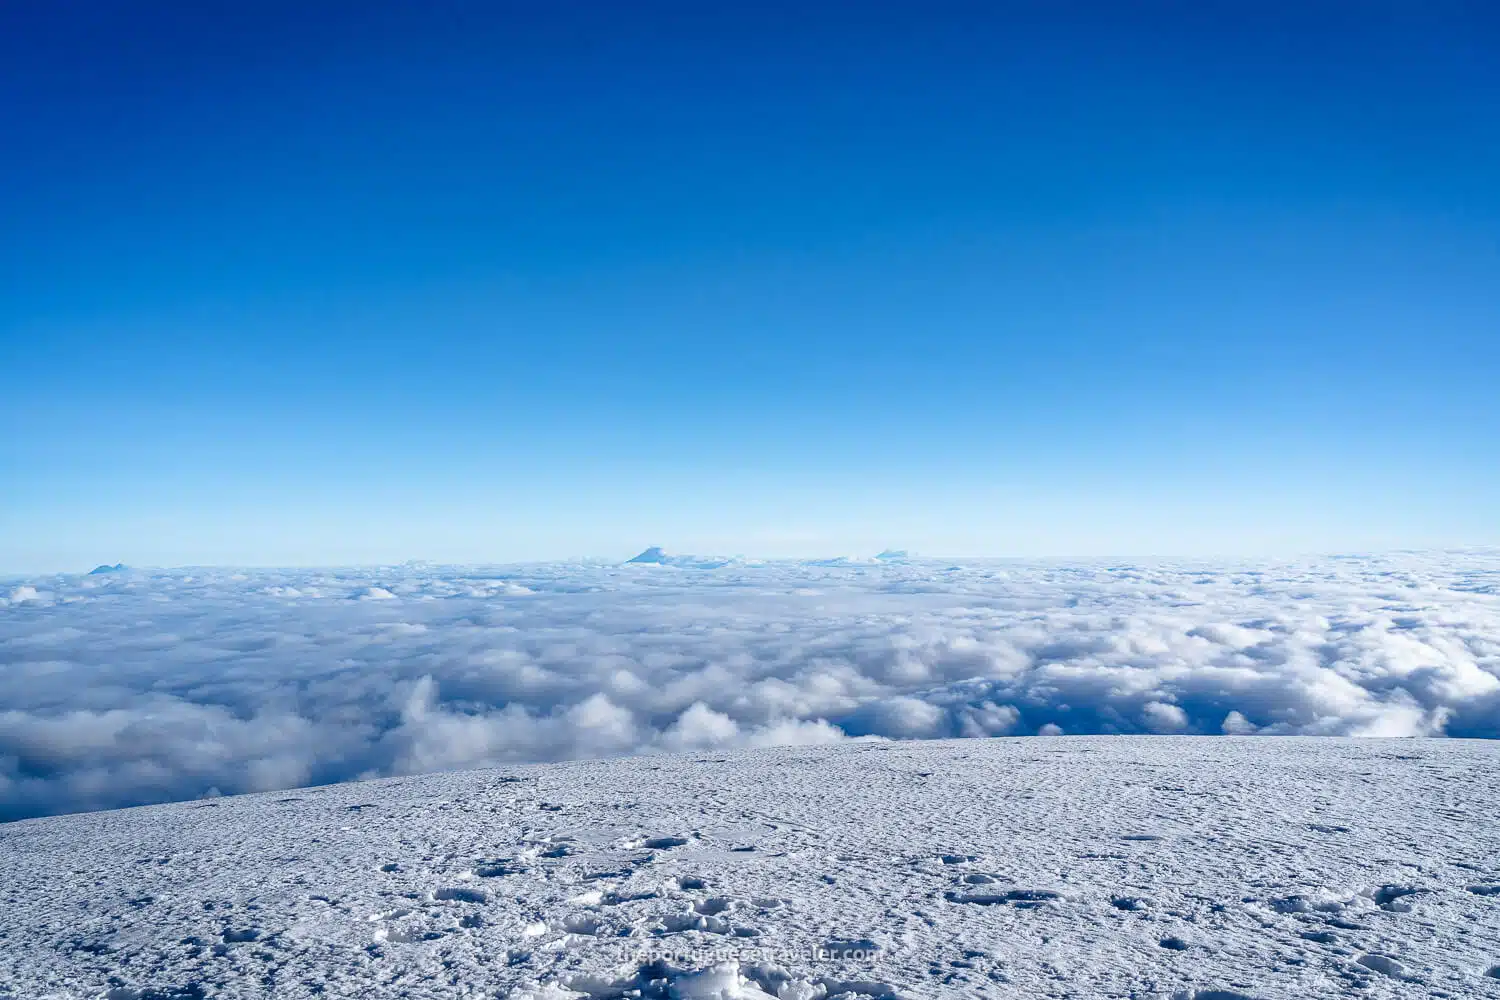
x,y
1164,867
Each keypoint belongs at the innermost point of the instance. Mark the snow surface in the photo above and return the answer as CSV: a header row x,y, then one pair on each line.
x,y
147,686
1201,868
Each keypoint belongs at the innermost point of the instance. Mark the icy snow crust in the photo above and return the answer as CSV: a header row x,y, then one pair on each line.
x,y
1203,868
144,686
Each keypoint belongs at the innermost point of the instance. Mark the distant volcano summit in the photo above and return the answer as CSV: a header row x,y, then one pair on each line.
x,y
657,556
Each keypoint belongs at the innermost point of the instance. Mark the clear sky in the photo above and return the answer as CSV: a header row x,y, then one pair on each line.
x,y
304,282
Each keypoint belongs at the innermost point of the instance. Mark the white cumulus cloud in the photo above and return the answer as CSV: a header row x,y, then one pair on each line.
x,y
128,688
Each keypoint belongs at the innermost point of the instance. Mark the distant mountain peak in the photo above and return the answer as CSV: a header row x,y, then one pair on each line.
x,y
657,556
107,568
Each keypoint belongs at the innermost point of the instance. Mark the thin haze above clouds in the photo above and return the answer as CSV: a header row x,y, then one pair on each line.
x,y
140,687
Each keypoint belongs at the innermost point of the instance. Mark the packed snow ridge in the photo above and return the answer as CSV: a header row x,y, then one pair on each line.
x,y
1179,868
146,686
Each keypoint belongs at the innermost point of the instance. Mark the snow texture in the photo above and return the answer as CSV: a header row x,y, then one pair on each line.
x,y
1178,868
140,686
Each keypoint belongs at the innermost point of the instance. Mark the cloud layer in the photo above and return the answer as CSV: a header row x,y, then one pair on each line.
x,y
137,687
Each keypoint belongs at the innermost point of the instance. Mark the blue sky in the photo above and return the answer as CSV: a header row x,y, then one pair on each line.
x,y
309,283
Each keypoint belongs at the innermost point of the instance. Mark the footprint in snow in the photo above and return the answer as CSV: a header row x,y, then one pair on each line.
x,y
691,920
582,924
663,843
601,897
1390,897
1024,899
1327,828
713,905
1383,964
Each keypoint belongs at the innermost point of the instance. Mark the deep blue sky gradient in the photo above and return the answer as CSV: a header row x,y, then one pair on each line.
x,y
328,282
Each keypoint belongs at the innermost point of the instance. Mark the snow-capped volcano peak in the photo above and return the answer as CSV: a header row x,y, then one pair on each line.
x,y
657,556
